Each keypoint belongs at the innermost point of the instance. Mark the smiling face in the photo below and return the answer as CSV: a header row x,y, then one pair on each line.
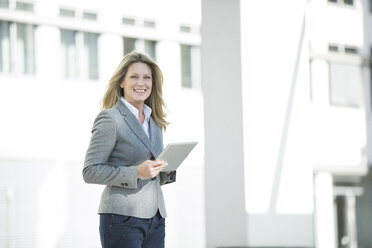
x,y
137,84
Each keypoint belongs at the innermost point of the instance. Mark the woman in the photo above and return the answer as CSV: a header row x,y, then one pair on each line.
x,y
126,139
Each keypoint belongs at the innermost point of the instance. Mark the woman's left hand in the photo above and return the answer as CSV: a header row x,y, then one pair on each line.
x,y
150,168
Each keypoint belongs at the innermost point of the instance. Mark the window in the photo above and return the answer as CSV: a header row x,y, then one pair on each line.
x,y
345,84
128,21
332,48
347,198
343,2
338,78
146,46
4,46
186,66
25,6
190,66
69,53
91,55
129,45
149,24
72,13
150,48
340,203
339,48
185,29
79,54
351,50
25,48
17,48
4,3
349,2
90,16
66,12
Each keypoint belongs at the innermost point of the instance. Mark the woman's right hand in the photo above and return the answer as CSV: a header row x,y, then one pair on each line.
x,y
150,168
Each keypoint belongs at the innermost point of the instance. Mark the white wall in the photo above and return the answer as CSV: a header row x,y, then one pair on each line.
x,y
278,173
255,60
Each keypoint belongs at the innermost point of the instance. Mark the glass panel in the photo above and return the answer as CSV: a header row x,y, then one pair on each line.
x,y
4,46
185,29
349,2
4,3
352,50
186,66
25,49
24,6
128,21
346,85
149,24
195,67
70,58
129,45
341,217
90,16
91,55
333,48
150,48
66,12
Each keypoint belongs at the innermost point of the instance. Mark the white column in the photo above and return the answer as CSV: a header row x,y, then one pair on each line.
x,y
351,220
110,48
10,218
222,90
48,53
320,82
168,55
324,211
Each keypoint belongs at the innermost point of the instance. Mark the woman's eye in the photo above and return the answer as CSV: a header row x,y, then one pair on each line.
x,y
133,76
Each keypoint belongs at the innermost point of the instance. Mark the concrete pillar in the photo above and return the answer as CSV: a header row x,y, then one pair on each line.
x,y
351,220
48,52
324,211
222,90
110,54
169,60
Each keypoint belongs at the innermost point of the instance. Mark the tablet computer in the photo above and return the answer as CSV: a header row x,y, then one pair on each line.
x,y
175,153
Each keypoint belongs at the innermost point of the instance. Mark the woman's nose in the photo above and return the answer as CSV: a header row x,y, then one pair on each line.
x,y
140,81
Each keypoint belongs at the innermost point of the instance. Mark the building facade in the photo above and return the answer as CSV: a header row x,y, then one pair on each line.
x,y
296,129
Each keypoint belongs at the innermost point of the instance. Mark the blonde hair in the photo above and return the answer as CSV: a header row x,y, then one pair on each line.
x,y
154,101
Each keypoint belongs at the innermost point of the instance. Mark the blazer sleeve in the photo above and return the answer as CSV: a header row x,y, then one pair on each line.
x,y
96,169
165,179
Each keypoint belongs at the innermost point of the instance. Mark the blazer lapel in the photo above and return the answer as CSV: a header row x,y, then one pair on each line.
x,y
156,137
135,126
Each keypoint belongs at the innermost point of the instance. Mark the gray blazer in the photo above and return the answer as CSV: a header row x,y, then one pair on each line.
x,y
117,146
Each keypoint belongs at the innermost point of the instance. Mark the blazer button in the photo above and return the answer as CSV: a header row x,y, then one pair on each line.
x,y
124,184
